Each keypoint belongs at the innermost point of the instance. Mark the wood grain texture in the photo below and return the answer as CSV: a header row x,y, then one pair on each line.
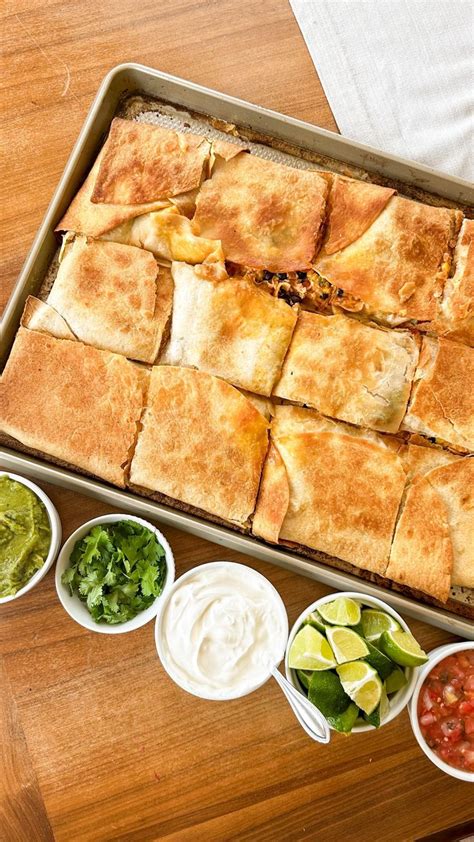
x,y
97,743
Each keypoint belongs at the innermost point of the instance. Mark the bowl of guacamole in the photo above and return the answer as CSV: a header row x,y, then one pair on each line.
x,y
30,534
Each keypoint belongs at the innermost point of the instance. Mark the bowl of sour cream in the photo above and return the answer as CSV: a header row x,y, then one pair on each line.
x,y
222,629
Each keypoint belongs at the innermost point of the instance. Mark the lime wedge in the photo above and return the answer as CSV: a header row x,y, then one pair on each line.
x,y
345,721
374,622
310,651
315,619
362,684
376,718
342,611
346,644
327,693
378,661
303,678
402,648
395,681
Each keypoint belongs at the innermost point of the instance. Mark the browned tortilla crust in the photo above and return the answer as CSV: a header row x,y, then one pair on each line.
x,y
73,402
143,163
267,216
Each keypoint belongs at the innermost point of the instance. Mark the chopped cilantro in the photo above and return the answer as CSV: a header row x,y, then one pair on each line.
x,y
117,569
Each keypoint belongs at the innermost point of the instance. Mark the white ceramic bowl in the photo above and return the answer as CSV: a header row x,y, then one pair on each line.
x,y
435,656
78,609
56,533
159,637
400,699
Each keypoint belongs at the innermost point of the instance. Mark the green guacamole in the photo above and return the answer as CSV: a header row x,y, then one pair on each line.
x,y
25,535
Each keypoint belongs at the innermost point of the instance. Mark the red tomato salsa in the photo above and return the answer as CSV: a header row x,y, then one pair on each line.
x,y
446,710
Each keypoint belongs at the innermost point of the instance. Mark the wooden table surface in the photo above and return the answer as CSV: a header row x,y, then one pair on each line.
x,y
97,743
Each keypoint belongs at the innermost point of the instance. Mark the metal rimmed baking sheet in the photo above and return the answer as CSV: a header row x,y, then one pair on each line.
x,y
288,136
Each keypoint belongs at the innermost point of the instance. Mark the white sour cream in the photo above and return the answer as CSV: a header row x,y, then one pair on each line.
x,y
223,628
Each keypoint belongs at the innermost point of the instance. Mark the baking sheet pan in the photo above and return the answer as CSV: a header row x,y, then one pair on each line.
x,y
288,135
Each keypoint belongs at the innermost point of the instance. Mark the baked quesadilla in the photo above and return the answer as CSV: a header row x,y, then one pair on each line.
x,y
433,545
421,555
192,255
455,485
348,370
334,488
455,319
266,215
72,402
83,216
114,297
94,219
229,328
202,443
143,163
442,401
393,266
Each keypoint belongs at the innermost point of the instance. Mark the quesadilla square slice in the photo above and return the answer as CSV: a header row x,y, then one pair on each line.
x,y
229,328
439,499
421,555
455,485
394,269
72,402
202,443
348,370
442,401
341,487
83,216
143,163
267,216
114,297
455,319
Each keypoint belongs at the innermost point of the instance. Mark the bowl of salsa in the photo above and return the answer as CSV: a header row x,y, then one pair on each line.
x,y
442,709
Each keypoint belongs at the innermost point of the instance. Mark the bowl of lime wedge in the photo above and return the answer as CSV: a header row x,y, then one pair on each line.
x,y
355,659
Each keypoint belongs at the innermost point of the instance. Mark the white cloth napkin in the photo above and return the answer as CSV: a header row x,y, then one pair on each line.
x,y
398,74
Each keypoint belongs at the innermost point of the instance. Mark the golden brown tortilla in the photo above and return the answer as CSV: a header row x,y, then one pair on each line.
x,y
73,402
143,163
202,443
114,297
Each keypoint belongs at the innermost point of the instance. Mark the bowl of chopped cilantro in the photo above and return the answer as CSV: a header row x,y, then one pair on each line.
x,y
112,572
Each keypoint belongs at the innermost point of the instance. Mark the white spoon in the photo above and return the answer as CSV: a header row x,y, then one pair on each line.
x,y
309,717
